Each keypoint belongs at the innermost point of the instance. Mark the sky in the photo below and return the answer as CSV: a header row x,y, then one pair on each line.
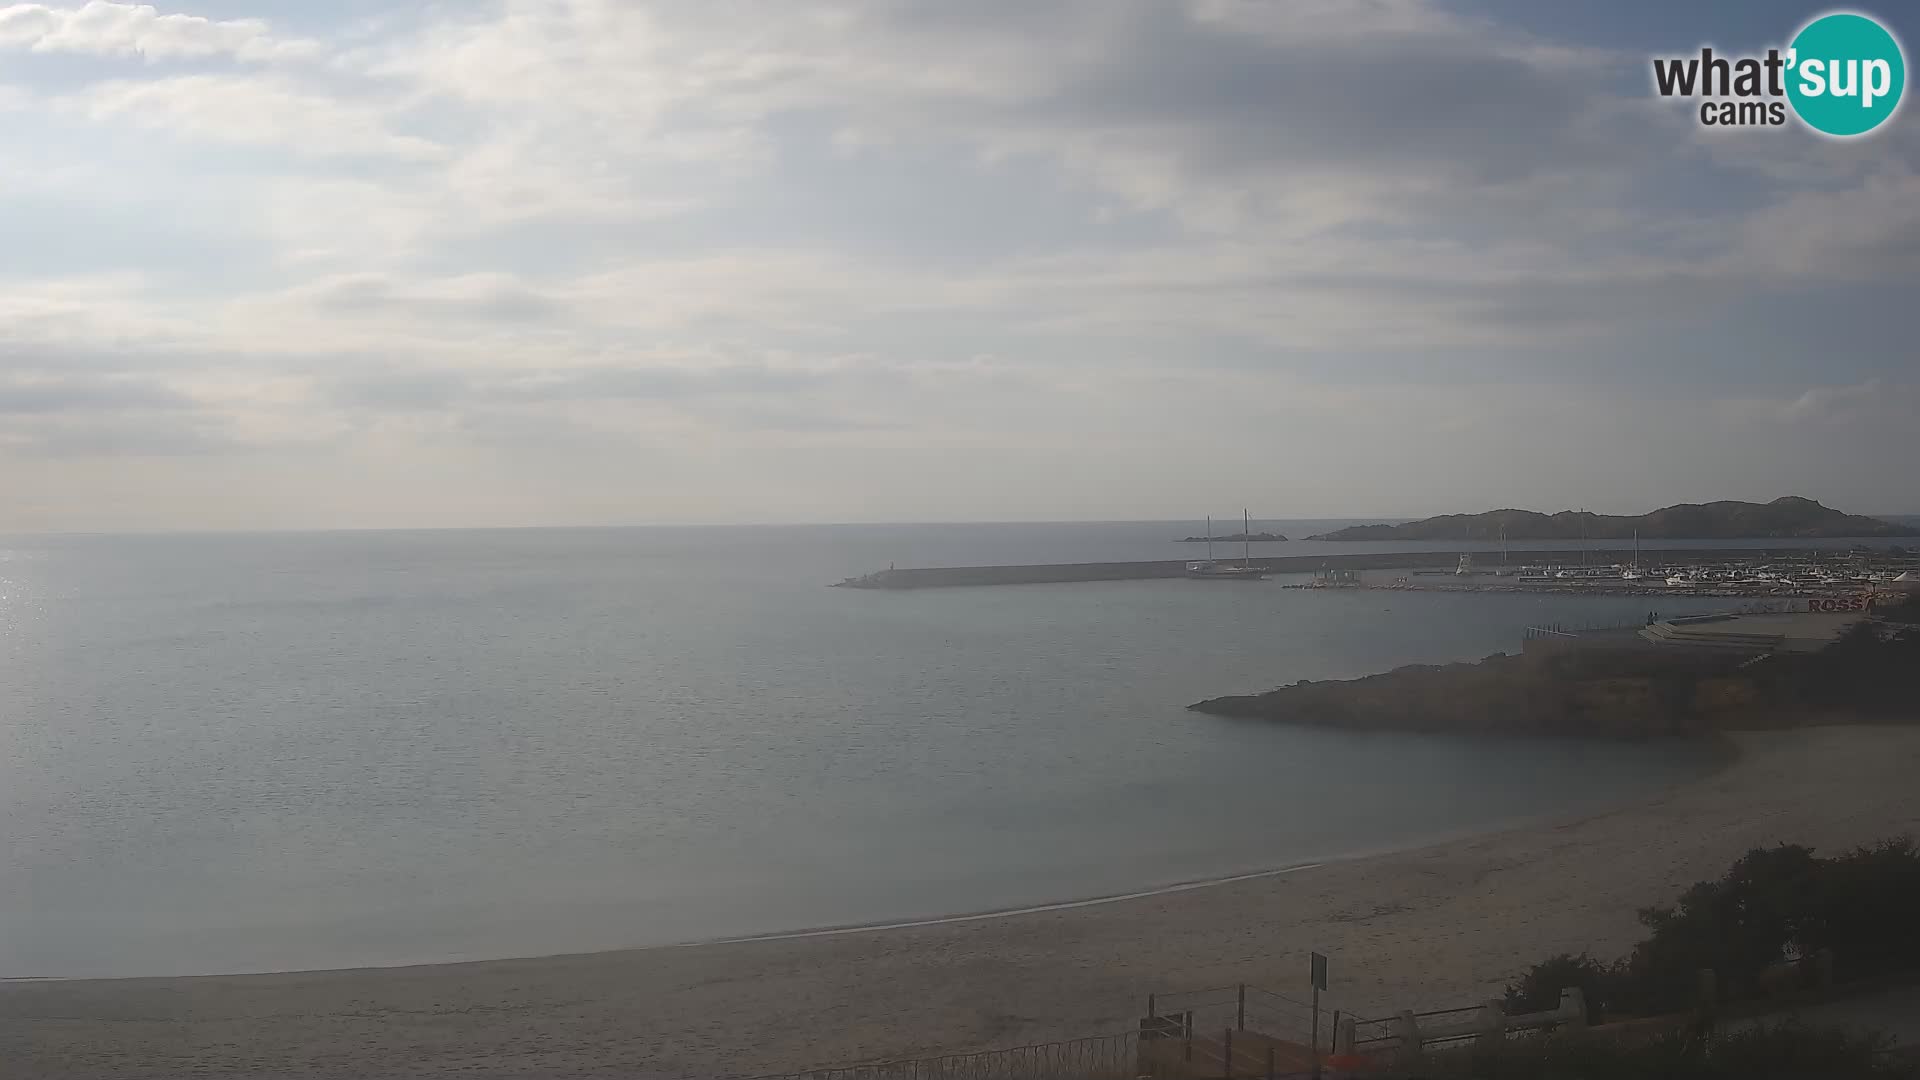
x,y
284,264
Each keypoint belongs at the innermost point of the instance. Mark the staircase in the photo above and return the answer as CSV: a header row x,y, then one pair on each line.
x,y
1243,1032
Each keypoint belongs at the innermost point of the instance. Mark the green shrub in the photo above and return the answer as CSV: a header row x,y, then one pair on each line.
x,y
1865,910
1738,926
1539,989
1773,905
1779,1053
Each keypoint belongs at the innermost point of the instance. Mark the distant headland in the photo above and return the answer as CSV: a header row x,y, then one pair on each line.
x,y
1614,688
1782,518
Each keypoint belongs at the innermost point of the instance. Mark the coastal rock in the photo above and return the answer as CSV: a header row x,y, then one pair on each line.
x,y
1616,692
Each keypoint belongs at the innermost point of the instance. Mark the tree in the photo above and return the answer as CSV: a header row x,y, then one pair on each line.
x,y
1756,916
1539,989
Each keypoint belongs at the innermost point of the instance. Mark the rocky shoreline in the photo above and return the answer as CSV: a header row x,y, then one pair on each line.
x,y
1629,692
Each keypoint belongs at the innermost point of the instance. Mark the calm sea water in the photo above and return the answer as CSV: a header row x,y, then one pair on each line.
x,y
232,753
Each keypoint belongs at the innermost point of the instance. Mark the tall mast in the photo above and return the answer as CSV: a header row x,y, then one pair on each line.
x,y
1209,537
1246,538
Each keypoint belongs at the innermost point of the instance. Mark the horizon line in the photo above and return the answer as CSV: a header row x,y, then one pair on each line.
x,y
292,530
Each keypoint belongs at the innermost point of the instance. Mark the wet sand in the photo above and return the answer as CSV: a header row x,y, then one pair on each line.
x,y
1440,926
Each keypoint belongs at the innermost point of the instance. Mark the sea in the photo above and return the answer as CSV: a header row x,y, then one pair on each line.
x,y
259,752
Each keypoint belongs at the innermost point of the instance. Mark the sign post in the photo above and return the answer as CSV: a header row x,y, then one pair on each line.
x,y
1319,975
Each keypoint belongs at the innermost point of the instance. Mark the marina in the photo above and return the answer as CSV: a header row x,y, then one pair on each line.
x,y
1731,572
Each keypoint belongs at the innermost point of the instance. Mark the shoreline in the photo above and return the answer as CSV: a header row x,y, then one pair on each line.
x,y
1427,927
1725,752
1721,752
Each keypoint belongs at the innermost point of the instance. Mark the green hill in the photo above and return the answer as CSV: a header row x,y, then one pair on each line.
x,y
1783,518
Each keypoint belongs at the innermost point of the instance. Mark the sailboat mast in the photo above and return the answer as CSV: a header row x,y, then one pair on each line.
x,y
1246,538
1209,537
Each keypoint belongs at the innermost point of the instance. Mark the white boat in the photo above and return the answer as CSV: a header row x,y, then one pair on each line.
x,y
1225,570
1219,571
1683,581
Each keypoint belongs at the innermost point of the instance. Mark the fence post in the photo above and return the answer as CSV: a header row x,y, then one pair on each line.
x,y
1150,1011
1493,1022
1240,1010
1706,995
1226,1055
1313,1039
1411,1045
1269,1061
1573,1007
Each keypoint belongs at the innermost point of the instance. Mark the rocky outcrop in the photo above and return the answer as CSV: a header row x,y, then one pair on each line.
x,y
1637,693
1629,692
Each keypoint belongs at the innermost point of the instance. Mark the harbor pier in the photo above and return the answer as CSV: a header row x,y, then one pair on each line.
x,y
1054,573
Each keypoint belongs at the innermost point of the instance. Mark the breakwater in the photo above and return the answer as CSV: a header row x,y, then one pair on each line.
x,y
1051,573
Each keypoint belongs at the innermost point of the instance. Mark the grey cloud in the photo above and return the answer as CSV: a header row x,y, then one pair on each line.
x,y
1222,98
400,390
808,422
75,395
105,416
994,18
405,390
129,361
498,407
124,436
486,301
1241,100
617,383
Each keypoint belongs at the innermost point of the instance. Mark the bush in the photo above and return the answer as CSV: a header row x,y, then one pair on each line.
x,y
1539,989
1865,910
1779,1053
1773,905
1754,917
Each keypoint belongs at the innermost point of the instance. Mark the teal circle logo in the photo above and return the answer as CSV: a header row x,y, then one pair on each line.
x,y
1845,74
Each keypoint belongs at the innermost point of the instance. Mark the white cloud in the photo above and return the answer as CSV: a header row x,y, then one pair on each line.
x,y
102,28
265,111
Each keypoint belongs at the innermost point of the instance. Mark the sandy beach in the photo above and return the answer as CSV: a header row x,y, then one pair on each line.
x,y
1435,927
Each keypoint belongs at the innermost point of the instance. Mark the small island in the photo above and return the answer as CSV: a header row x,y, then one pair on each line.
x,y
1236,538
1791,517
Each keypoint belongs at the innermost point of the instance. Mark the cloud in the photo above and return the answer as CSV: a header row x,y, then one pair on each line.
x,y
71,395
94,415
956,234
1822,405
101,28
486,297
120,437
263,111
